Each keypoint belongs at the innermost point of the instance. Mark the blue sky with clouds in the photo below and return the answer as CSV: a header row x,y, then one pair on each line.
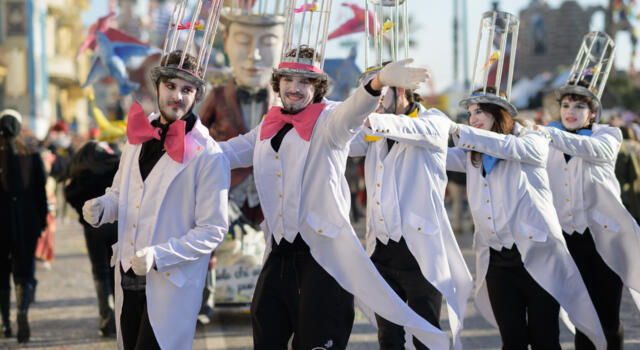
x,y
435,34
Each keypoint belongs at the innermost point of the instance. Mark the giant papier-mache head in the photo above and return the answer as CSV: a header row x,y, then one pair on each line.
x,y
590,70
253,32
495,51
180,42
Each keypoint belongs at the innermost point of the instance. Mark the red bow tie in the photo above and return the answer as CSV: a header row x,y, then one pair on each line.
x,y
303,121
140,130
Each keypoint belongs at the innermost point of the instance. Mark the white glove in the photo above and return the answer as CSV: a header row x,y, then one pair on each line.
x,y
398,74
454,128
92,210
143,261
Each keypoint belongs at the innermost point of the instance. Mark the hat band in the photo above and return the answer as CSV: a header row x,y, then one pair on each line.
x,y
293,65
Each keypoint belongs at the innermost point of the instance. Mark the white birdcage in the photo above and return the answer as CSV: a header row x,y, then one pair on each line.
x,y
306,26
495,52
590,70
386,27
206,22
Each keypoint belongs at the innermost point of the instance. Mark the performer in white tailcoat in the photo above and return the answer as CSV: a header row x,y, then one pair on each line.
x,y
169,196
317,260
408,234
524,272
314,263
603,238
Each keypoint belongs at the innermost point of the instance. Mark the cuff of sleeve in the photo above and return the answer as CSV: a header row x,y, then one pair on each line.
x,y
370,90
107,213
461,139
453,128
373,123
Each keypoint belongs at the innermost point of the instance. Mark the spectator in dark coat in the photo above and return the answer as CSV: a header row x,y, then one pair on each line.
x,y
23,213
91,171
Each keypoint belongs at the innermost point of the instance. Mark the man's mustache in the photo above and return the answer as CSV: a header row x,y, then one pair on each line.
x,y
296,94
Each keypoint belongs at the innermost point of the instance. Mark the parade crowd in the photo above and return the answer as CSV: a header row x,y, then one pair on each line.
x,y
555,207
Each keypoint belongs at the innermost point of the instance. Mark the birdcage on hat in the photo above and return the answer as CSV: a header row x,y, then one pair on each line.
x,y
386,31
305,38
255,12
494,61
180,40
590,70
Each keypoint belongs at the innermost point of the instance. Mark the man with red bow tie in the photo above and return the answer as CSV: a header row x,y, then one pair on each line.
x,y
314,263
170,199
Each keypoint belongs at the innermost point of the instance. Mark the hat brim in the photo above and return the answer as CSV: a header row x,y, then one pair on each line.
x,y
581,91
300,72
492,99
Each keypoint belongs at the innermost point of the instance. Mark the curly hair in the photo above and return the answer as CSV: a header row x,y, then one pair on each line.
x,y
321,86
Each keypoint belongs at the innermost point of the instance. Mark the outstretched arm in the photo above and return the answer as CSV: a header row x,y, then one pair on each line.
x,y
531,147
344,121
239,150
429,130
602,146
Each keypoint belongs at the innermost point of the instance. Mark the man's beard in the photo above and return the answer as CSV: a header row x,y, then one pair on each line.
x,y
296,107
164,112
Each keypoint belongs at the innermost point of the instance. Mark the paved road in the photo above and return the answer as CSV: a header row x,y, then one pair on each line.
x,y
65,313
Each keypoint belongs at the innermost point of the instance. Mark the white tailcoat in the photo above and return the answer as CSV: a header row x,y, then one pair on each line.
x,y
405,198
180,210
513,205
303,190
586,193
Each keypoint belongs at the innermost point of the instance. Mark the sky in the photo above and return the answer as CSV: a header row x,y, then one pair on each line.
x,y
435,33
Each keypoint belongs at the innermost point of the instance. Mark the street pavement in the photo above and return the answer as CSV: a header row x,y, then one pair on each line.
x,y
64,315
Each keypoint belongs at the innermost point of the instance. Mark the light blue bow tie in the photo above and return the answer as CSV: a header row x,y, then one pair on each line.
x,y
488,162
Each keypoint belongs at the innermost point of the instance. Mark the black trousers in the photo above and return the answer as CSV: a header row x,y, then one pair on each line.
x,y
16,260
400,269
295,295
525,312
137,333
604,287
99,241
